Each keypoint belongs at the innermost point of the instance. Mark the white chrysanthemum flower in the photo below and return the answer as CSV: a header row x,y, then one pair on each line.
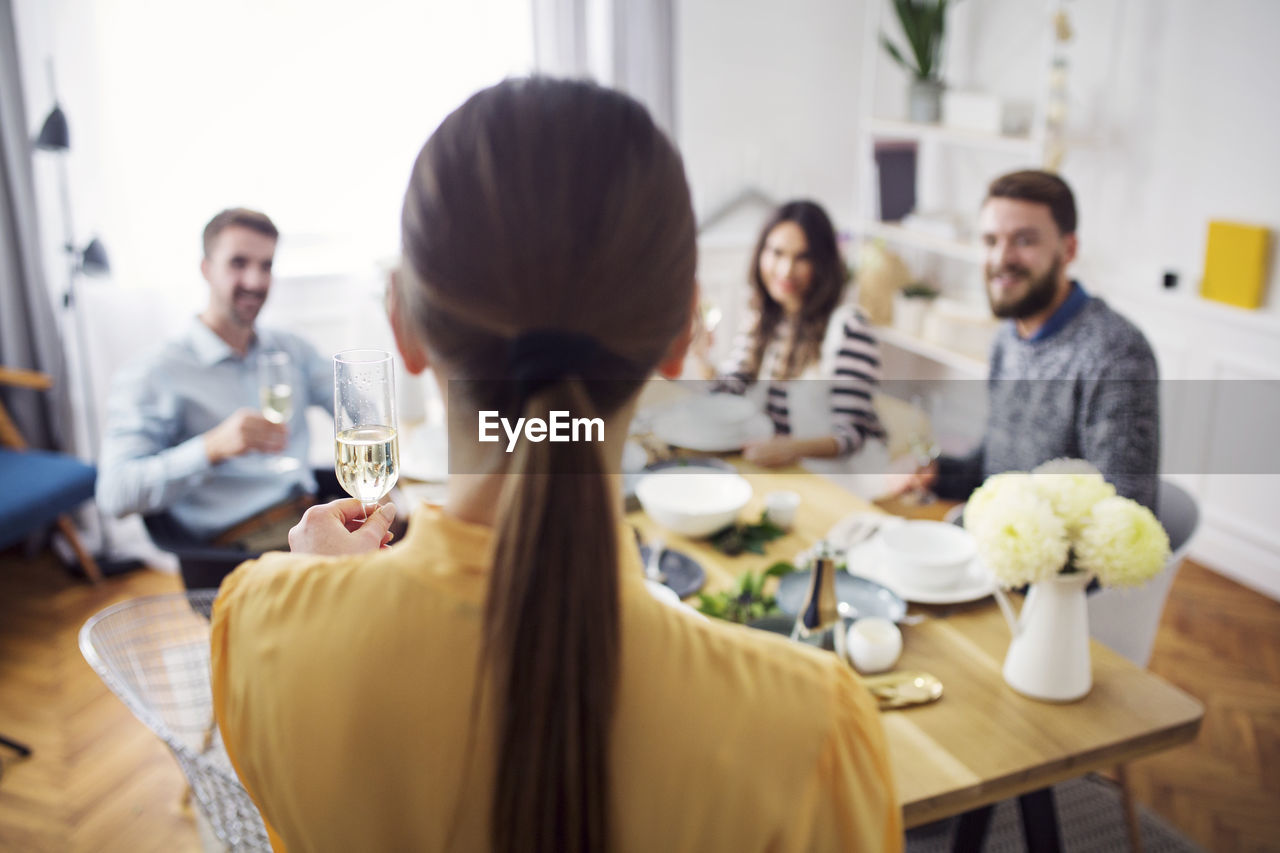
x,y
1065,465
1073,496
1019,536
1008,484
1122,543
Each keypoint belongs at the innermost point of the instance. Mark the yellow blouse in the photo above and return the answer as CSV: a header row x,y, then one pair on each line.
x,y
344,691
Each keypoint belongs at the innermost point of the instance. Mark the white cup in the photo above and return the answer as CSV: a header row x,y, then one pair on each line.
x,y
875,644
781,507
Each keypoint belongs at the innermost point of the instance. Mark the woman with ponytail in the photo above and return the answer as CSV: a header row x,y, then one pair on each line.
x,y
501,680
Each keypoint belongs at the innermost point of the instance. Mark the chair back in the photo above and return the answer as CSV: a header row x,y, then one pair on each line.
x,y
1126,620
153,653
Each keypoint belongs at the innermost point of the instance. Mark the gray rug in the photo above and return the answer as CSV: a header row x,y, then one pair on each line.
x,y
1090,818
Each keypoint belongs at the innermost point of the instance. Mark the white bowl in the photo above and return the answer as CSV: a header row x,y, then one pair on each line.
x,y
931,555
693,500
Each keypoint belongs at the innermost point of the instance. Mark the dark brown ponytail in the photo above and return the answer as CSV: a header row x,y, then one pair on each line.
x,y
552,639
549,205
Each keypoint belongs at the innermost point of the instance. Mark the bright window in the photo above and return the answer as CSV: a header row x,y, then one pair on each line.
x,y
310,110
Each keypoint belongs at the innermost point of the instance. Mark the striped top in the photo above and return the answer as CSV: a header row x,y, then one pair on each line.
x,y
850,365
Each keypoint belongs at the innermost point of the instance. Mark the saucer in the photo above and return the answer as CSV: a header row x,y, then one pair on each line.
x,y
679,428
684,575
868,597
869,560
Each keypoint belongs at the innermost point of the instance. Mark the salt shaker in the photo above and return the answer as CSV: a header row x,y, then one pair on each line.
x,y
820,609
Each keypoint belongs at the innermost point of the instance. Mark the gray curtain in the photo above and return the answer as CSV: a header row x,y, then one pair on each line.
x,y
627,44
29,335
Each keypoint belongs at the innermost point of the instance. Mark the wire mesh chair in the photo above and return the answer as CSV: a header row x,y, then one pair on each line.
x,y
153,653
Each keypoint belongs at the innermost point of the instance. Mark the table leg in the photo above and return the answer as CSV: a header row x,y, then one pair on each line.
x,y
971,830
1040,821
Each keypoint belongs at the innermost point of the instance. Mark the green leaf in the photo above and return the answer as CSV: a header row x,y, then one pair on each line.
x,y
923,23
893,52
779,569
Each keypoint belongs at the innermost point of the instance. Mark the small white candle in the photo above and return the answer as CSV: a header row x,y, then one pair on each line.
x,y
875,644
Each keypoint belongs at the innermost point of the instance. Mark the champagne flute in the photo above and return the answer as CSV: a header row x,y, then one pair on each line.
x,y
275,396
366,446
924,451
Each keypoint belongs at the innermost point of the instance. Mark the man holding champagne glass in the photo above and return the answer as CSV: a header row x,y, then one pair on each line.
x,y
210,428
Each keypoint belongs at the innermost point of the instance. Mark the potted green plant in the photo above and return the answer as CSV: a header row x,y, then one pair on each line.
x,y
924,23
911,304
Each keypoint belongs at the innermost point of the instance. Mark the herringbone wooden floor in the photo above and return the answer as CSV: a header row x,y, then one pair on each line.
x,y
100,781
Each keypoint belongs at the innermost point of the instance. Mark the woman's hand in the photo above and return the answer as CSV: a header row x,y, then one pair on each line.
x,y
919,482
775,452
336,528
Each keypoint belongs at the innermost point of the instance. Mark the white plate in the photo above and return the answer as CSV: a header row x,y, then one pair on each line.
x,y
668,596
855,524
634,458
868,560
680,429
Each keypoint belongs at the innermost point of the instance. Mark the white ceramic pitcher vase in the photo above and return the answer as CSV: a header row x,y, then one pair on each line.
x,y
1049,656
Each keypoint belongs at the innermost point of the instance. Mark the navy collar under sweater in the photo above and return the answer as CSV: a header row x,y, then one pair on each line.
x,y
1075,302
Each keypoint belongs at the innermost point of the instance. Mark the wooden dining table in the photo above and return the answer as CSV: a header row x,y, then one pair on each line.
x,y
981,742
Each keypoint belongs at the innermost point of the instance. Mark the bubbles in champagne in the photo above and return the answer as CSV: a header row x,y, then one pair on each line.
x,y
368,461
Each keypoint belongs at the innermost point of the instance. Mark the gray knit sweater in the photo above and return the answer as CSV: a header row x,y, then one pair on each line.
x,y
1087,391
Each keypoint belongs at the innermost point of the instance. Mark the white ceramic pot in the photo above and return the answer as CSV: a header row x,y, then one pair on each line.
x,y
925,100
909,313
1049,656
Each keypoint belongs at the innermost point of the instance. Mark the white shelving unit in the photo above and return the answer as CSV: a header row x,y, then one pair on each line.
x,y
884,128
897,234
873,128
963,363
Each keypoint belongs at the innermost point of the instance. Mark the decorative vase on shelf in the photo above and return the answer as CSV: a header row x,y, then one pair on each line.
x,y
1049,656
910,307
924,100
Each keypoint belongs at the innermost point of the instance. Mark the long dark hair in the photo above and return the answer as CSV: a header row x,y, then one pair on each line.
x,y
819,301
537,205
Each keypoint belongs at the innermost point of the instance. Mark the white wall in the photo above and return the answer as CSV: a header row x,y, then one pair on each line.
x,y
767,97
1195,135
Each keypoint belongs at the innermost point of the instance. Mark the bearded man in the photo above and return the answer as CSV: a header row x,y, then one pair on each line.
x,y
1069,376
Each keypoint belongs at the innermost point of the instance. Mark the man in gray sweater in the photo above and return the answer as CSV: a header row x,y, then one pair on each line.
x,y
1069,376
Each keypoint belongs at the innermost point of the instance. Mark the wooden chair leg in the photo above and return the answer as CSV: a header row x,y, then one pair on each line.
x,y
89,564
1130,810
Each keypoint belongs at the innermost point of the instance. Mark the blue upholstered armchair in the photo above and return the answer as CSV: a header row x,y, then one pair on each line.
x,y
38,487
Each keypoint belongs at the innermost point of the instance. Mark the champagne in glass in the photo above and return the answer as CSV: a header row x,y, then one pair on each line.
x,y
275,391
366,447
275,397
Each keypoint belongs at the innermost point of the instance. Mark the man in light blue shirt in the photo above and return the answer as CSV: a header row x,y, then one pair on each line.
x,y
185,432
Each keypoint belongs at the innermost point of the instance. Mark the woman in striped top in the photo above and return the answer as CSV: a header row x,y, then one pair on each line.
x,y
797,329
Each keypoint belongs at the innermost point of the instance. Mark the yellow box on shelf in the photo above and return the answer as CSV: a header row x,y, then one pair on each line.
x,y
1235,264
